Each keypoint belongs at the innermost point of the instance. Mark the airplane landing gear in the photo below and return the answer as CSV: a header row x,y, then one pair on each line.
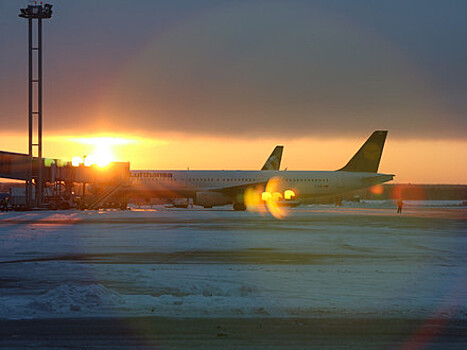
x,y
239,206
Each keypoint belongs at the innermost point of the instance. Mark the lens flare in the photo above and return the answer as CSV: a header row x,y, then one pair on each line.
x,y
253,198
274,202
289,195
270,199
377,190
408,192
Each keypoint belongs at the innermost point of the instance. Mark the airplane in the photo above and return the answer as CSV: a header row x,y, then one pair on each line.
x,y
209,188
272,163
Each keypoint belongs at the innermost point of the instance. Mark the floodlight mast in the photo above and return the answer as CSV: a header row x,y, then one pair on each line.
x,y
39,12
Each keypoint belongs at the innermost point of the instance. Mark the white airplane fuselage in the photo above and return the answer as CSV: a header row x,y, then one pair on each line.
x,y
305,184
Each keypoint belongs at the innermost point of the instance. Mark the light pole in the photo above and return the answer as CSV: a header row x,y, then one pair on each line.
x,y
35,12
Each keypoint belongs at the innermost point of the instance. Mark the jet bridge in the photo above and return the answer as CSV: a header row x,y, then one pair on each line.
x,y
63,185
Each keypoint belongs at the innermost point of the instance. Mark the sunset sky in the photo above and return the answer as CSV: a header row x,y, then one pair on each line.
x,y
217,84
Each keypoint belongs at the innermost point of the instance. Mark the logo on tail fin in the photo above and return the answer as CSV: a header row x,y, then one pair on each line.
x,y
367,159
274,160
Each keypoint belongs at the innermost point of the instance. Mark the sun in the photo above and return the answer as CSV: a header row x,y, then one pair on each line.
x,y
102,154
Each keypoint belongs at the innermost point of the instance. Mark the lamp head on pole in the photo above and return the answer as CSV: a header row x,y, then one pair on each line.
x,y
38,11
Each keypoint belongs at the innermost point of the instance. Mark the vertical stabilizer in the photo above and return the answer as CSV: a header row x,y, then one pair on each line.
x,y
274,160
367,159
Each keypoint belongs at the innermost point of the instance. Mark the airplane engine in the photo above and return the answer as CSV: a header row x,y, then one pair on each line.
x,y
211,199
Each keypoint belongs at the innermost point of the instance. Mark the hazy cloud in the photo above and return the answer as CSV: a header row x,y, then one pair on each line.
x,y
247,68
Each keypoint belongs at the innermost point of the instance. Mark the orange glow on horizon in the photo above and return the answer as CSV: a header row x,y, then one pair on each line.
x,y
403,191
413,161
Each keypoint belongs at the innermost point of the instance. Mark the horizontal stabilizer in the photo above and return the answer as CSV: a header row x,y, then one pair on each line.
x,y
367,159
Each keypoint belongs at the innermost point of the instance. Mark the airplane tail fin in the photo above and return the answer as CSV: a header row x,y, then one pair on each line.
x,y
274,160
367,159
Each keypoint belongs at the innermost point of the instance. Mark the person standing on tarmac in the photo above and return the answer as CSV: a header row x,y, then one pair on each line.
x,y
4,204
400,204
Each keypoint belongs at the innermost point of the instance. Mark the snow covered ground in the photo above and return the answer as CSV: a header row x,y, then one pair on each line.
x,y
362,260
